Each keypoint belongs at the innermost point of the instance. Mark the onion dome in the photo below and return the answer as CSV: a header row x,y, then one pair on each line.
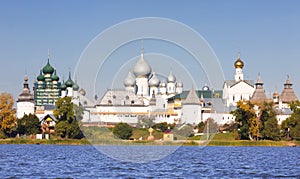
x,y
82,92
239,63
69,82
129,80
142,68
154,81
41,76
55,77
63,86
205,87
171,77
75,87
48,69
179,84
275,94
162,84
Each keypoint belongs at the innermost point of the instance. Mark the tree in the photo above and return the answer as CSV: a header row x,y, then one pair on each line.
x,y
269,124
123,130
28,124
163,126
64,110
292,124
68,115
145,122
246,119
7,114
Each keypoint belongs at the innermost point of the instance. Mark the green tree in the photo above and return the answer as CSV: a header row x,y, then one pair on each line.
x,y
292,124
246,119
269,124
201,126
163,126
7,114
69,116
64,109
28,124
123,130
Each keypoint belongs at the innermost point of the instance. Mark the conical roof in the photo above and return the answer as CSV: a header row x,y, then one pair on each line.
x,y
25,96
259,95
288,95
192,97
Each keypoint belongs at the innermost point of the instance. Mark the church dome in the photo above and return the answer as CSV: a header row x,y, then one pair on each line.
x,y
205,87
55,77
179,84
41,76
239,63
129,80
154,81
142,68
63,86
48,69
171,78
162,84
69,82
75,87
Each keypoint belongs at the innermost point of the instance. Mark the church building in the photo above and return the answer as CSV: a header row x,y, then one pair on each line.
x,y
239,88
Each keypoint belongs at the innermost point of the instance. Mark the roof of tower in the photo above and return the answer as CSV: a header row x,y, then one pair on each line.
x,y
142,68
171,77
48,69
192,97
129,80
55,77
239,63
25,96
154,81
179,84
288,95
63,86
40,77
75,86
69,82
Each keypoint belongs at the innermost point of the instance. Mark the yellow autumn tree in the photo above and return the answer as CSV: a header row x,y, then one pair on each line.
x,y
7,114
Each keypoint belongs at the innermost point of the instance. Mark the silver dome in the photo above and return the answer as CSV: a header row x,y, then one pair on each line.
x,y
171,78
179,84
154,81
162,84
129,80
142,68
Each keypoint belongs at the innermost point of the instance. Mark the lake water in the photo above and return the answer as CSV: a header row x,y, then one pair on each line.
x,y
55,161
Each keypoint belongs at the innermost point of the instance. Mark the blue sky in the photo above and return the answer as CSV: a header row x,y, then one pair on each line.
x,y
265,32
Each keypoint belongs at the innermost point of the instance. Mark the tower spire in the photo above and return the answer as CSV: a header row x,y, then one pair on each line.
x,y
142,48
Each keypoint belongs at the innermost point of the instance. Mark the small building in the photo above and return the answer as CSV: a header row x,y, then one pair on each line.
x,y
168,135
48,124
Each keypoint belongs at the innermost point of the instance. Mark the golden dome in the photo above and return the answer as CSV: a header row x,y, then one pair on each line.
x,y
239,63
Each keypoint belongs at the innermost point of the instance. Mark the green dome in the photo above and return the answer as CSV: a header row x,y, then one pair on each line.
x,y
41,76
55,77
48,69
75,87
69,82
63,86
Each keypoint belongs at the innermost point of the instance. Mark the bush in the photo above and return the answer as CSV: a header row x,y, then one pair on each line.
x,y
123,131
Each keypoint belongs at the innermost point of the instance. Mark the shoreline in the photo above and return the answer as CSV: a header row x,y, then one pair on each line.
x,y
233,143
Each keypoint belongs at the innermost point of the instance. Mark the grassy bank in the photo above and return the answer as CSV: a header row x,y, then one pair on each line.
x,y
222,139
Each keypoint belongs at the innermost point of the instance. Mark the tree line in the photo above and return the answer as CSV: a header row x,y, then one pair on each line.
x,y
259,122
68,117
